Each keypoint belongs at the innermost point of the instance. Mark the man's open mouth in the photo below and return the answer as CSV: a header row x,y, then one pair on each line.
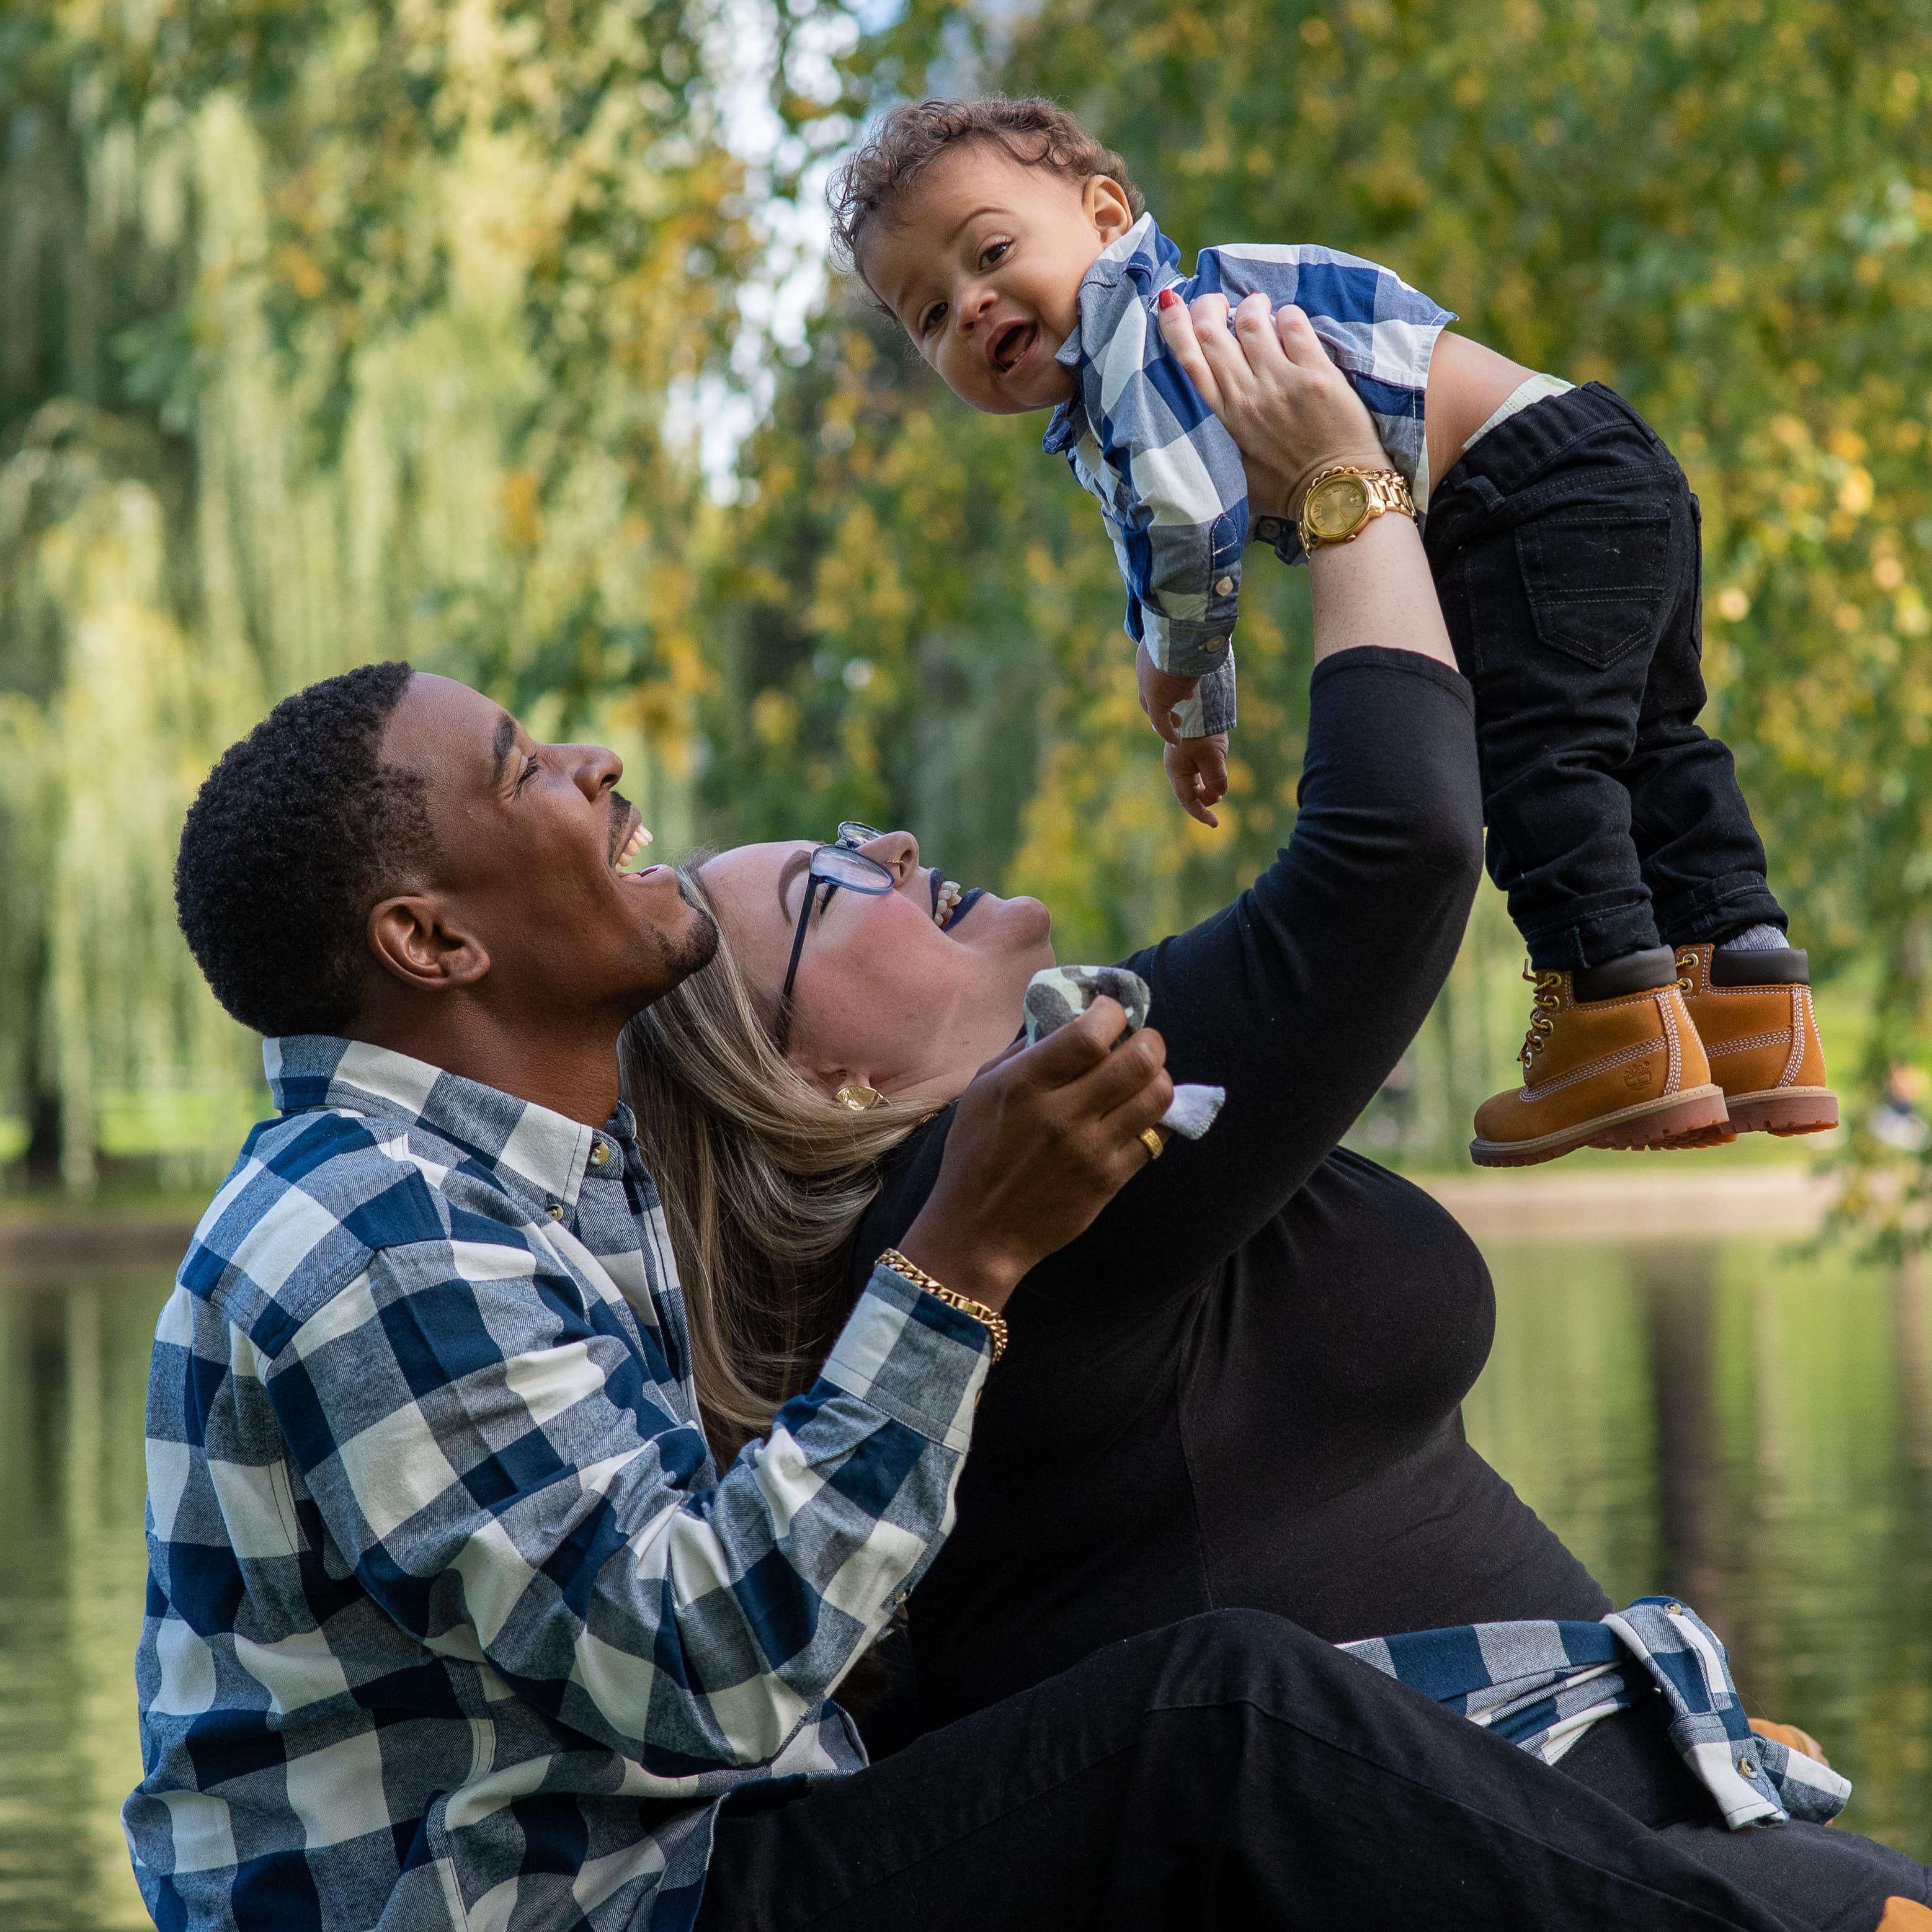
x,y
1009,345
635,841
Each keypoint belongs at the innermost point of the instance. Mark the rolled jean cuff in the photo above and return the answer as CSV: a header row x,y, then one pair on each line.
x,y
1593,940
1719,917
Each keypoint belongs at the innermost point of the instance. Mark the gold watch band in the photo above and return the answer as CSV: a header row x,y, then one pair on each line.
x,y
995,1323
1341,501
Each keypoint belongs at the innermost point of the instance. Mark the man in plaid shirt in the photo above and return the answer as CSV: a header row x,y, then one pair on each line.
x,y
453,1621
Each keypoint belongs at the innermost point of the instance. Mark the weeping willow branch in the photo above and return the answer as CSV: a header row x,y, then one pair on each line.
x,y
332,332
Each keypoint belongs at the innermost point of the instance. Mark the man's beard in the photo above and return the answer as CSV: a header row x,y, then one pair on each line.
x,y
690,951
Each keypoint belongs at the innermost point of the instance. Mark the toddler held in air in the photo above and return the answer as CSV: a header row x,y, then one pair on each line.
x,y
1670,1011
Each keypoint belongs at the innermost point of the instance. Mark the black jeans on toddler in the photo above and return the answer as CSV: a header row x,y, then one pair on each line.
x,y
1565,547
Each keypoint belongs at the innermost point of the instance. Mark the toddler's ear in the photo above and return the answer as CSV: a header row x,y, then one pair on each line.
x,y
1105,202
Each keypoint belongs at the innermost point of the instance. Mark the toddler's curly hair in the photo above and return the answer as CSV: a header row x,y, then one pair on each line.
x,y
1035,132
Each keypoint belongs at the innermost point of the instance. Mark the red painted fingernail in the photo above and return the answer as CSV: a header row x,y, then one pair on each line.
x,y
1168,299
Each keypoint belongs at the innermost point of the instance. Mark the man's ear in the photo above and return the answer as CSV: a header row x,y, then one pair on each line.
x,y
411,938
1107,207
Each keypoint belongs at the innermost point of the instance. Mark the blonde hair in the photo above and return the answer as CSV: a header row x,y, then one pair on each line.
x,y
763,1181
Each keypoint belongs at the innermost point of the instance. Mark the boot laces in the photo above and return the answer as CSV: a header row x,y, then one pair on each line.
x,y
1687,967
1548,999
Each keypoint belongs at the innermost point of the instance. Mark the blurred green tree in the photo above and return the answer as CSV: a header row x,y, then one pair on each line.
x,y
335,329
329,332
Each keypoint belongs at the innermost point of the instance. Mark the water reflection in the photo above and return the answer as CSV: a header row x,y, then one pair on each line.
x,y
1712,1419
1754,1433
74,1369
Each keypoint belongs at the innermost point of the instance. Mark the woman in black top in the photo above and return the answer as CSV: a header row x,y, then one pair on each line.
x,y
1240,1388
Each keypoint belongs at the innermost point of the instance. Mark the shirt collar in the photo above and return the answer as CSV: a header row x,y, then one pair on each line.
x,y
516,1140
1152,260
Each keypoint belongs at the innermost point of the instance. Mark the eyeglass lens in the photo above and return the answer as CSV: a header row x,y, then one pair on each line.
x,y
839,865
834,866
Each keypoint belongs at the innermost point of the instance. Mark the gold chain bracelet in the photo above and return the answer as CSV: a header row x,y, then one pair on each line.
x,y
995,1323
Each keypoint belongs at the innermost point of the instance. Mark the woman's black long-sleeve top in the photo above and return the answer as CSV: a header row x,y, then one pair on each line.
x,y
1241,1387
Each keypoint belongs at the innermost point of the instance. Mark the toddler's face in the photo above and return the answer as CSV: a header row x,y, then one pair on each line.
x,y
982,267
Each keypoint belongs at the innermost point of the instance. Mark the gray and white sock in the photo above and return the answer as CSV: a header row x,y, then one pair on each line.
x,y
1756,939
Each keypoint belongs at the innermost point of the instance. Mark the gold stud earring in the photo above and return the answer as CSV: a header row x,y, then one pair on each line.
x,y
860,1099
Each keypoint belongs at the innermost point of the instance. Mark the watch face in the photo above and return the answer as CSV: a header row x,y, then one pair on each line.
x,y
1337,506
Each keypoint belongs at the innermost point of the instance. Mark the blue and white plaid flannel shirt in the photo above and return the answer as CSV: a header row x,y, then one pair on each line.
x,y
452,1621
1168,476
1542,1684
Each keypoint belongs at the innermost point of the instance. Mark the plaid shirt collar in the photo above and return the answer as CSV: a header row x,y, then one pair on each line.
x,y
1149,258
540,1155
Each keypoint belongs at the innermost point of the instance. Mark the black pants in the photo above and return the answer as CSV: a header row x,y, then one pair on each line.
x,y
1229,1771
1565,547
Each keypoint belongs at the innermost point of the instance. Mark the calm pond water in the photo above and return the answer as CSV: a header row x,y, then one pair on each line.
x,y
1751,1432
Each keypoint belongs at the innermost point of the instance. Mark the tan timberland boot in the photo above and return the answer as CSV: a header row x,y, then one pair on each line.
x,y
1753,1012
1611,1060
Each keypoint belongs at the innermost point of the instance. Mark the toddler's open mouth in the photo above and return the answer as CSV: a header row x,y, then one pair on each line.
x,y
1010,345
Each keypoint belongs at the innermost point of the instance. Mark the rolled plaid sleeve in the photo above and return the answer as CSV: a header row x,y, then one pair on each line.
x,y
1168,476
505,1478
1211,708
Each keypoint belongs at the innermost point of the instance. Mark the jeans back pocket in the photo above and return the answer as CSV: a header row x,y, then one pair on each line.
x,y
1597,584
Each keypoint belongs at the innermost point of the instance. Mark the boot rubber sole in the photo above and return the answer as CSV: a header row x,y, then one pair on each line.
x,y
1669,1123
1783,1111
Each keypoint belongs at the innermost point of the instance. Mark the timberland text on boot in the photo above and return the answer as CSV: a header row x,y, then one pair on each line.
x,y
1611,1060
1752,1010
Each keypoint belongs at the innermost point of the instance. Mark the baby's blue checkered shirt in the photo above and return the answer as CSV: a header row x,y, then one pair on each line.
x,y
1168,476
452,1621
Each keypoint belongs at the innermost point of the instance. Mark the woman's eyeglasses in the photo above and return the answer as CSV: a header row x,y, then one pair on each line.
x,y
832,866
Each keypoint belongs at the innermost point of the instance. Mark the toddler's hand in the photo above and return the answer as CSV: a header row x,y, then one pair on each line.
x,y
1197,769
1161,692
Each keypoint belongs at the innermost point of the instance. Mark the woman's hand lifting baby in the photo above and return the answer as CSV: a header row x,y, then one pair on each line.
x,y
1291,413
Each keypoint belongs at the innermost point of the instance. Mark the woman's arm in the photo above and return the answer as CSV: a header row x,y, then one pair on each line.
x,y
1301,996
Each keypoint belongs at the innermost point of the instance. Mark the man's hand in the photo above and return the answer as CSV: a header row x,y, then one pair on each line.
x,y
1043,1139
1197,769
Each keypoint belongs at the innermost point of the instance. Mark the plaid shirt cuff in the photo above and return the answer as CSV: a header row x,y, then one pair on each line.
x,y
1215,696
910,1355
1191,648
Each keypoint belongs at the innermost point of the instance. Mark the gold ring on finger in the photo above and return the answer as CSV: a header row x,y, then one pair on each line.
x,y
1151,1140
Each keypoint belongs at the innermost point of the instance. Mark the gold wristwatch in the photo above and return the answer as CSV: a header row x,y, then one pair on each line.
x,y
1343,501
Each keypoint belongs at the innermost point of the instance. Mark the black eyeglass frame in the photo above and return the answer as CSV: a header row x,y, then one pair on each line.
x,y
852,834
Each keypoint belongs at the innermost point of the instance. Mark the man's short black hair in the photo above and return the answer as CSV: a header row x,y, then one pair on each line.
x,y
299,831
